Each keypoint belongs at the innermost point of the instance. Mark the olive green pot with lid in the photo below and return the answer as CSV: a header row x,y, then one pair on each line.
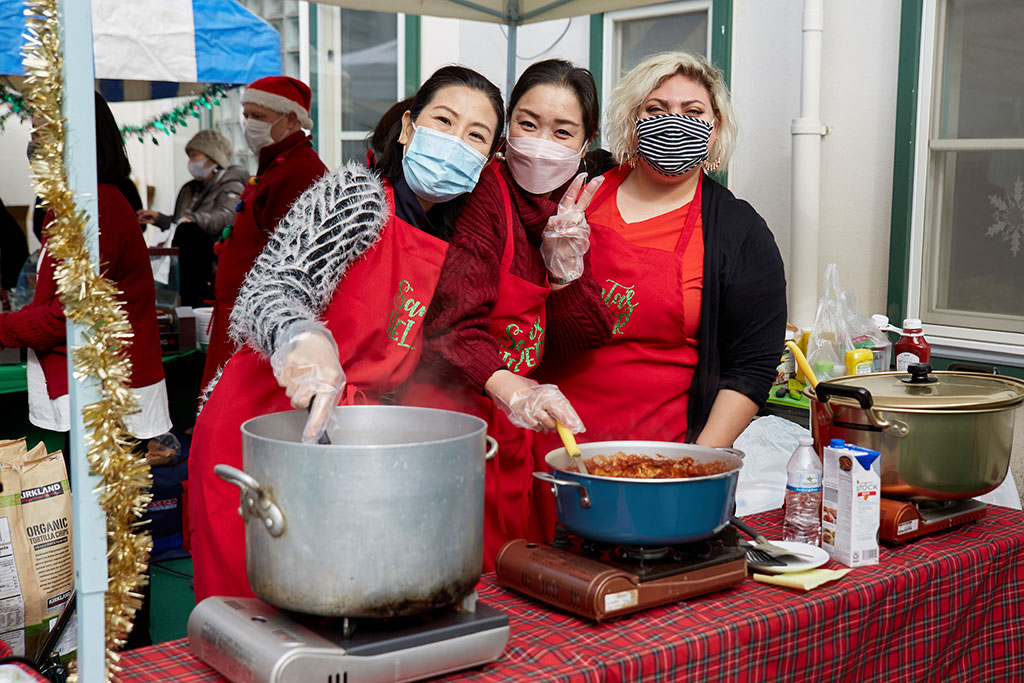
x,y
942,435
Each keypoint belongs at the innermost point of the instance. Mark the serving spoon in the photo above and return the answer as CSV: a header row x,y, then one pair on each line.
x,y
570,446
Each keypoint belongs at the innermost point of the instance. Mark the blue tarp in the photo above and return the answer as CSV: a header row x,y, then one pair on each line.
x,y
220,42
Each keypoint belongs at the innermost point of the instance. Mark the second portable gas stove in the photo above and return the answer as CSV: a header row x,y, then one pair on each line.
x,y
601,581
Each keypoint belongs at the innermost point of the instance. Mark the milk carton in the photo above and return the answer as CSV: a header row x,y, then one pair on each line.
x,y
850,512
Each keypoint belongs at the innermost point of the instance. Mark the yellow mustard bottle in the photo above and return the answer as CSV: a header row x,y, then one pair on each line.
x,y
859,361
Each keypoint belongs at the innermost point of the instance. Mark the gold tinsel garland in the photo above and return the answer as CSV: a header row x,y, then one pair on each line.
x,y
90,301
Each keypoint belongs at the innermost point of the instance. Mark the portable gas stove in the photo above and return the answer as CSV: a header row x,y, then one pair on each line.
x,y
903,520
247,640
601,581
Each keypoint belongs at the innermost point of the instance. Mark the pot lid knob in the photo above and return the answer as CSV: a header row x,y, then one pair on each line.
x,y
919,374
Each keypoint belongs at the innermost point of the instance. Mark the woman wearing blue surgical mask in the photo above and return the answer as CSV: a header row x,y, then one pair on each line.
x,y
691,273
520,242
325,319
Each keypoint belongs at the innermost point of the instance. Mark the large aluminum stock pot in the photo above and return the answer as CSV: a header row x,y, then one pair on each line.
x,y
643,512
387,520
942,435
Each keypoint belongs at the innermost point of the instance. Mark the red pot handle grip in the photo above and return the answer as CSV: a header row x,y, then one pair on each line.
x,y
826,390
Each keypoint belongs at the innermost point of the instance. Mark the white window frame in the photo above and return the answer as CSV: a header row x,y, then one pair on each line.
x,y
612,48
969,343
341,136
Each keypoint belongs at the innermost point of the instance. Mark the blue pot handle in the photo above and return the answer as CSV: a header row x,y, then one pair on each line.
x,y
555,483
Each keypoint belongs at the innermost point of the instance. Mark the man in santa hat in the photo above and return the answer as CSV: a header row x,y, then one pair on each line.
x,y
276,110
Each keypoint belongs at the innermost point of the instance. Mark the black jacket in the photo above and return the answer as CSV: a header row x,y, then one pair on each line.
x,y
742,308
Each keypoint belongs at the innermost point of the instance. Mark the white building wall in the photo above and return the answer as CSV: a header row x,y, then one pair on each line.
x,y
860,47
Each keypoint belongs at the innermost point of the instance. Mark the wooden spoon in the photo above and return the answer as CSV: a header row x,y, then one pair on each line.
x,y
570,446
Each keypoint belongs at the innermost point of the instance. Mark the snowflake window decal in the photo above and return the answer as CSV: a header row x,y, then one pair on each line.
x,y
1009,216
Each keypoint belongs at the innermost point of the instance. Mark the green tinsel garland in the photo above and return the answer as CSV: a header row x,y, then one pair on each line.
x,y
167,122
15,105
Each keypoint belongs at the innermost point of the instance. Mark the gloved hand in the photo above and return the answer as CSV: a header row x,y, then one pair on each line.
x,y
531,405
566,237
306,364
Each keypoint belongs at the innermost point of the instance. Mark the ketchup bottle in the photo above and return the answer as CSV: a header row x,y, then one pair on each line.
x,y
912,346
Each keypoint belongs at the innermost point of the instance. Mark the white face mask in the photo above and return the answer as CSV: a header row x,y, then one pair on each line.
x,y
257,134
199,169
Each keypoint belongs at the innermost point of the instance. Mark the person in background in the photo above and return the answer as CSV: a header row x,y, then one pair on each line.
x,y
275,110
317,312
13,249
41,327
520,236
691,273
204,208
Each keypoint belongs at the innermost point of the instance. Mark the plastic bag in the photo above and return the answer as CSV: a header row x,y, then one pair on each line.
x,y
830,335
767,444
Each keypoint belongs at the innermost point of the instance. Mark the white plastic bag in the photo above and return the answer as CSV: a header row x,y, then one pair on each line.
x,y
767,444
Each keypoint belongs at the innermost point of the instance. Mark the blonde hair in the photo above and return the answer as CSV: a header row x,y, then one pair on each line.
x,y
629,95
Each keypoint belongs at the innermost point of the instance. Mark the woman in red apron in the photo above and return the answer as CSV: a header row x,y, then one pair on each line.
x,y
319,285
486,328
691,274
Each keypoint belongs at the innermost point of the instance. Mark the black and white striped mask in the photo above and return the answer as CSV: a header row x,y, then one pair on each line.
x,y
673,143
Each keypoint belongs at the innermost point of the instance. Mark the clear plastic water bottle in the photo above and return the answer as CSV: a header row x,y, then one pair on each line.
x,y
803,495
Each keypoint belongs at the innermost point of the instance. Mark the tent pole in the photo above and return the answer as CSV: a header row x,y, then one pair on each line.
x,y
510,60
90,526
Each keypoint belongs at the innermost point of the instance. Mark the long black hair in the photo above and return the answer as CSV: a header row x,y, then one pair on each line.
x,y
112,165
567,75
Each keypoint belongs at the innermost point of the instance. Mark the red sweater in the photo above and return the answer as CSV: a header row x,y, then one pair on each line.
x,y
457,336
124,259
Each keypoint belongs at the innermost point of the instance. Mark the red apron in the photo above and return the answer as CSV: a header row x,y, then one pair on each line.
x,y
637,385
518,324
376,316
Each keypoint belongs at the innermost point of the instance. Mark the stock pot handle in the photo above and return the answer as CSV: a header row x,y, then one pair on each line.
x,y
256,502
555,483
826,390
492,447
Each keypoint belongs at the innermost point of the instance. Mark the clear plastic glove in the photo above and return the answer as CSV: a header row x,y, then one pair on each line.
x,y
532,405
306,364
566,237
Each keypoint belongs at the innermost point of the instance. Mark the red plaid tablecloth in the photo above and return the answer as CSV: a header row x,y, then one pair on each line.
x,y
947,607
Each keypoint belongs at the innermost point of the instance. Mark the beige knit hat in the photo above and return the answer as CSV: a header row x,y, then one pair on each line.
x,y
215,146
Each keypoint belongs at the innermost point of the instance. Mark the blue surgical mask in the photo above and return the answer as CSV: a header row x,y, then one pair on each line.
x,y
439,167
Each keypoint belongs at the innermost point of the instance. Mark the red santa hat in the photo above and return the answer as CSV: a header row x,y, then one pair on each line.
x,y
282,94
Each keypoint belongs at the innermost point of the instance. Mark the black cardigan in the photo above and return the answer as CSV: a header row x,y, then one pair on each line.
x,y
742,308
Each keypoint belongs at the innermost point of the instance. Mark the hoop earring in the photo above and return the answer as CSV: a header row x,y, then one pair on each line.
x,y
714,165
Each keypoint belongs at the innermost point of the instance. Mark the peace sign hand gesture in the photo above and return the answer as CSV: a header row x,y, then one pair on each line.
x,y
566,238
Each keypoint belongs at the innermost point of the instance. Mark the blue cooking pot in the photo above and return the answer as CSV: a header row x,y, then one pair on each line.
x,y
643,512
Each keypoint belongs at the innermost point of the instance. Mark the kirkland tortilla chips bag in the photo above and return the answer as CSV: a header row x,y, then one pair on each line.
x,y
36,557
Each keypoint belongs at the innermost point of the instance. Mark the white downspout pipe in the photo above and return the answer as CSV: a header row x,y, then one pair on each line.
x,y
807,131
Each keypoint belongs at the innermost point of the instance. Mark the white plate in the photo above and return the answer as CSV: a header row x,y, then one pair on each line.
x,y
795,563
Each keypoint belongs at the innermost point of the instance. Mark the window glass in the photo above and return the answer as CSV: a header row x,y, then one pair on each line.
x,y
643,37
974,219
982,83
369,67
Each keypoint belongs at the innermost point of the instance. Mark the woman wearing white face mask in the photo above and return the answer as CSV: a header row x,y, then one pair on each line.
x,y
317,313
204,207
520,235
691,273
